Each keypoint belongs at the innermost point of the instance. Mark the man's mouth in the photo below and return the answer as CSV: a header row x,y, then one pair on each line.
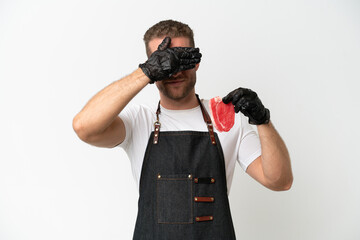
x,y
174,81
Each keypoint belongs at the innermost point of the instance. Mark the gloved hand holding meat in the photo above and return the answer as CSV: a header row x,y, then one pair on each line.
x,y
246,101
165,61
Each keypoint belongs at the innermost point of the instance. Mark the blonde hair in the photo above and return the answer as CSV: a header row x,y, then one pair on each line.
x,y
168,28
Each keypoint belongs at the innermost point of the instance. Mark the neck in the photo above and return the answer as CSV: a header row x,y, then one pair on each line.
x,y
187,102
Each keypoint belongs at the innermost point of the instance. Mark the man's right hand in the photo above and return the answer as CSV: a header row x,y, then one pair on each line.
x,y
165,62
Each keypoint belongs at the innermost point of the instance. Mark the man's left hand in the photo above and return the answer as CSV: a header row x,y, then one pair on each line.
x,y
246,101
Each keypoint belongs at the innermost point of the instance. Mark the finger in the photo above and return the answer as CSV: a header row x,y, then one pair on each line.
x,y
186,49
185,61
245,112
190,55
196,55
228,98
165,43
189,61
244,105
241,105
191,50
194,50
238,93
185,54
249,93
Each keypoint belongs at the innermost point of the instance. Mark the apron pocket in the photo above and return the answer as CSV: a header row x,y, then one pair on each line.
x,y
174,199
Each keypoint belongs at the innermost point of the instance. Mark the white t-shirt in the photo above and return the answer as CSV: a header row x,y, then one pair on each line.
x,y
241,144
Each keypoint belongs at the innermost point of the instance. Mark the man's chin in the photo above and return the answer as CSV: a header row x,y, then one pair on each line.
x,y
174,96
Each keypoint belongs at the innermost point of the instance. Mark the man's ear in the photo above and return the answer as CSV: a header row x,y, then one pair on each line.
x,y
197,66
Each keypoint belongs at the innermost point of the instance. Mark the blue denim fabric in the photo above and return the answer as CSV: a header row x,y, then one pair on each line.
x,y
166,207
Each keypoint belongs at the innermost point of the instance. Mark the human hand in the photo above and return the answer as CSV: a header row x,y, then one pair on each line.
x,y
165,62
246,101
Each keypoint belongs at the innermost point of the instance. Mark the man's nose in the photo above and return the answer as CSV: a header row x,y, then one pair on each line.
x,y
176,75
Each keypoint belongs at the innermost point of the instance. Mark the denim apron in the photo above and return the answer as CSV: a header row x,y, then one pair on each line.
x,y
183,191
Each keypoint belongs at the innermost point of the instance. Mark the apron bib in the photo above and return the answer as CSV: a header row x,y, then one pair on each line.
x,y
183,191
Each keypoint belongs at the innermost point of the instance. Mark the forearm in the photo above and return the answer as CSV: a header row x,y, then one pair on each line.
x,y
105,106
275,158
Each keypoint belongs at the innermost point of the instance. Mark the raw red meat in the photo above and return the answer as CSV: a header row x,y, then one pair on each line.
x,y
222,115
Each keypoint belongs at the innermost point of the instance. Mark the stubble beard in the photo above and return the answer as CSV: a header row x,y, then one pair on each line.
x,y
175,94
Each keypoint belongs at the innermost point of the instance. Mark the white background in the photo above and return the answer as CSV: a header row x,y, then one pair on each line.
x,y
301,57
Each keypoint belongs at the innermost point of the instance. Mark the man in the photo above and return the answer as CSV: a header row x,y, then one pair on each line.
x,y
182,165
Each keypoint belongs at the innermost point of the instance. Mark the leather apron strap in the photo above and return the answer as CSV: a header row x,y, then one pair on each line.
x,y
206,117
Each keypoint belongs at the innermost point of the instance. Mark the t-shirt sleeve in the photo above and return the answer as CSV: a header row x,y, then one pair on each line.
x,y
128,116
250,147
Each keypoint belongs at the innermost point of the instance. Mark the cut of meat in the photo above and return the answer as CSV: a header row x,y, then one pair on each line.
x,y
222,115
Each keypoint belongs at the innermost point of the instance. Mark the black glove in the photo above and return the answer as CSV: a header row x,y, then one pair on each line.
x,y
165,62
247,101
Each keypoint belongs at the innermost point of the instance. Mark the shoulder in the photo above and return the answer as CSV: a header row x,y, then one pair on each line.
x,y
138,110
138,117
138,121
